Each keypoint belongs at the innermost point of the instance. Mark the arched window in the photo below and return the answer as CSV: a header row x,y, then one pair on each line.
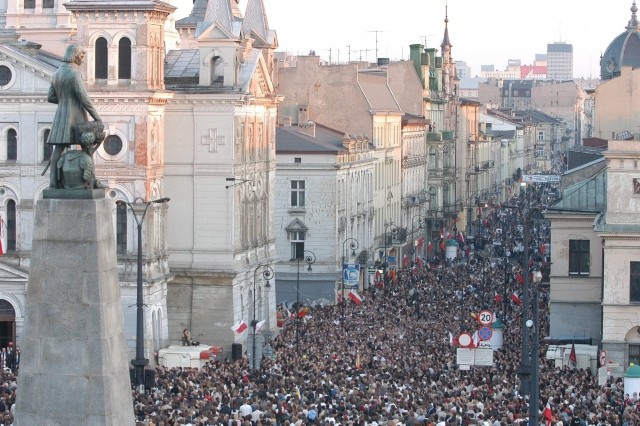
x,y
121,228
47,148
12,145
11,225
124,59
102,58
217,70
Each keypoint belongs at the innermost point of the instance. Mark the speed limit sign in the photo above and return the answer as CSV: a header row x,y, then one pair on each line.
x,y
603,358
485,317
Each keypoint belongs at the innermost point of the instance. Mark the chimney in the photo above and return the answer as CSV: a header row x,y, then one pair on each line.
x,y
308,128
303,114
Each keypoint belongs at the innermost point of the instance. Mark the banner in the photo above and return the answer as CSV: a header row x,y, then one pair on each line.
x,y
541,178
351,274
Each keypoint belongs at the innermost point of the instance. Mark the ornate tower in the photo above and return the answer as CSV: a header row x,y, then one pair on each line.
x,y
124,69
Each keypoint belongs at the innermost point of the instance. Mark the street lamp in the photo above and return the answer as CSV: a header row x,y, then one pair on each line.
x,y
353,245
394,230
413,242
267,274
533,325
309,257
139,362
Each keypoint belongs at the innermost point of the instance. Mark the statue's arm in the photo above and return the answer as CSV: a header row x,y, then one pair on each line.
x,y
84,99
52,97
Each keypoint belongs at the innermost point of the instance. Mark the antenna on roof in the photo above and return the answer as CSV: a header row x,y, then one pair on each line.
x,y
376,31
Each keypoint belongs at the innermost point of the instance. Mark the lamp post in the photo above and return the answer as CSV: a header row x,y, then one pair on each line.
x,y
139,362
267,274
534,326
394,229
353,245
413,242
310,258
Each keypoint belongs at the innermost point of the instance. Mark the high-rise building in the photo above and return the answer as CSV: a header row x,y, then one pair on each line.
x,y
560,61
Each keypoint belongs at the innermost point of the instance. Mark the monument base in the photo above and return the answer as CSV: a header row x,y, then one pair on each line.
x,y
73,194
74,368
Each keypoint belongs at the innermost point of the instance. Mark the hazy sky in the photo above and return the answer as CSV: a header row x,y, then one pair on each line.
x,y
481,32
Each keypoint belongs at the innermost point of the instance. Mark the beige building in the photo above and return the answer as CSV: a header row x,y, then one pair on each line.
x,y
612,97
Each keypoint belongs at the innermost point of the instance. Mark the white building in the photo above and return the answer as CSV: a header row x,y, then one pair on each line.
x,y
323,210
559,61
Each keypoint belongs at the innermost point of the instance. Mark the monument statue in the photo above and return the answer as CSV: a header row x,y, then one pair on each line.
x,y
75,168
68,92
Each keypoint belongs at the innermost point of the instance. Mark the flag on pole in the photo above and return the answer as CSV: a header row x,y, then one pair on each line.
x,y
239,327
498,298
520,278
516,298
355,297
572,355
430,247
338,295
405,261
260,325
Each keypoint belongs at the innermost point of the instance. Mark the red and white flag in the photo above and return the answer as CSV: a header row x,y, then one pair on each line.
x,y
355,297
260,325
516,298
338,295
239,327
572,355
547,414
429,247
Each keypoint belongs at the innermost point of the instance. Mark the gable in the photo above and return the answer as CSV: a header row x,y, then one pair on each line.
x,y
28,74
213,32
261,83
11,274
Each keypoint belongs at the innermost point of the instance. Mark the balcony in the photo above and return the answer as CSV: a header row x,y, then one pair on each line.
x,y
434,137
448,135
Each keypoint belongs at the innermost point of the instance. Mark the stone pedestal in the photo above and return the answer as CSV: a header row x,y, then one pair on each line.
x,y
73,368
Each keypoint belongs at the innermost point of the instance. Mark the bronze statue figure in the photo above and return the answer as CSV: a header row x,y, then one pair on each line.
x,y
68,92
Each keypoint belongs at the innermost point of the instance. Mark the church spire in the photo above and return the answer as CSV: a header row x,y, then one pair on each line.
x,y
445,39
633,22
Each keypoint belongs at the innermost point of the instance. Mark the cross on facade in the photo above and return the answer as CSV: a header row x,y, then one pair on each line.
x,y
213,140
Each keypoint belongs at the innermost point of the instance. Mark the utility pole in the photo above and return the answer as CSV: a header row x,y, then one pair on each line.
x,y
349,52
376,31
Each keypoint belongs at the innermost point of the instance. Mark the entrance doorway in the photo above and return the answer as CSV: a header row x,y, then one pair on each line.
x,y
7,323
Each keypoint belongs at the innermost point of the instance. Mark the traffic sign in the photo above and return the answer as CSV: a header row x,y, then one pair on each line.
x,y
485,333
464,340
485,317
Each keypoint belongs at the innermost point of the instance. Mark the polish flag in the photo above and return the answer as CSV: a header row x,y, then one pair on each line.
x,y
260,325
338,295
239,327
355,297
516,298
520,278
572,354
429,247
547,414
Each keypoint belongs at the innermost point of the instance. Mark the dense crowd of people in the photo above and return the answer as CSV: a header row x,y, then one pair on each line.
x,y
390,360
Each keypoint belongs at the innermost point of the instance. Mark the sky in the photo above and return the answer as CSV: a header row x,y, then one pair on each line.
x,y
481,32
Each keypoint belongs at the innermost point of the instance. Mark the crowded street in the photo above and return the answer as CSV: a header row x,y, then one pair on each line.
x,y
392,361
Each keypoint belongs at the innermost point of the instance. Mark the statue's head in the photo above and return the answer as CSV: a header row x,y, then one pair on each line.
x,y
73,52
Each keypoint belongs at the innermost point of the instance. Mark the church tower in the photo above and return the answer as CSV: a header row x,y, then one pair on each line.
x,y
448,67
123,70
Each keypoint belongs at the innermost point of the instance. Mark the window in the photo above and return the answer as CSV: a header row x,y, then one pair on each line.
x,y
11,225
579,257
432,158
47,149
121,228
48,4
124,59
433,198
540,151
102,58
634,354
217,70
297,160
297,244
112,145
5,75
12,145
297,193
29,4
634,282
540,136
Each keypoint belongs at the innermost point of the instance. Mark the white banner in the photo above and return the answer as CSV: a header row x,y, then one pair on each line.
x,y
541,178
